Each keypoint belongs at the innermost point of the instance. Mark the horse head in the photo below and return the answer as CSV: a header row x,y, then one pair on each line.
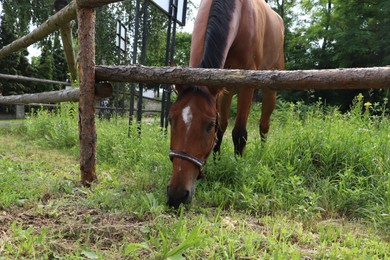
x,y
194,121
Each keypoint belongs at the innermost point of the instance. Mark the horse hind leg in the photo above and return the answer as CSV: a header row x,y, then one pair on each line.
x,y
268,106
239,133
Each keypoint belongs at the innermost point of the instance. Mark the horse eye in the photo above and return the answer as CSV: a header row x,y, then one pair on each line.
x,y
210,126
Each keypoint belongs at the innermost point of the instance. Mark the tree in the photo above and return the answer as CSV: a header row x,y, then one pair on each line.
x,y
157,24
359,32
105,35
339,33
15,63
45,67
182,48
60,67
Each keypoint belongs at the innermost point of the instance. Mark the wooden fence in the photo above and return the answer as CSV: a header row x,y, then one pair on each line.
x,y
89,73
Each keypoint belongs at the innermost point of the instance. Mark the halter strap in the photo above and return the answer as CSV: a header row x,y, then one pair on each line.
x,y
188,157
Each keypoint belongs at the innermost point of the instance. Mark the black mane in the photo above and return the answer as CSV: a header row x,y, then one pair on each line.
x,y
217,33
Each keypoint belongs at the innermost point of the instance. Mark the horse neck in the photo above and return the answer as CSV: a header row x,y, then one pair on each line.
x,y
211,41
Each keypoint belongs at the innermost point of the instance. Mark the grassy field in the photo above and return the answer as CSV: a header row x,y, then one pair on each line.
x,y
318,188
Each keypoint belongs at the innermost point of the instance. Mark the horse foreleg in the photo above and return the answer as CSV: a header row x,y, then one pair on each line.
x,y
223,105
239,133
268,105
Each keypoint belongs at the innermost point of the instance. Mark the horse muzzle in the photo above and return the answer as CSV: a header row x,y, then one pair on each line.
x,y
179,195
181,187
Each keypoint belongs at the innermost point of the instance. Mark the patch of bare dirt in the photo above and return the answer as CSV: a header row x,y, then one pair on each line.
x,y
69,227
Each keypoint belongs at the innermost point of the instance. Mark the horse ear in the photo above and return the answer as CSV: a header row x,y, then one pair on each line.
x,y
178,88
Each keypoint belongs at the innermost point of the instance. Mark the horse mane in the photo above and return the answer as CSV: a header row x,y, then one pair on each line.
x,y
217,33
194,89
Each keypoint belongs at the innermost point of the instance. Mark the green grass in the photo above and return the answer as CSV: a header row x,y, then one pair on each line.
x,y
319,187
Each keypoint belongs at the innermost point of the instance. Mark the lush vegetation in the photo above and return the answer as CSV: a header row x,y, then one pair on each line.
x,y
320,34
319,187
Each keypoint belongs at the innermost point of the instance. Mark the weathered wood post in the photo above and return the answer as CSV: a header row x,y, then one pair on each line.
x,y
67,40
20,111
86,57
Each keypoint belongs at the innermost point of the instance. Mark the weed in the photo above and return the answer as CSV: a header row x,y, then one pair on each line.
x,y
167,245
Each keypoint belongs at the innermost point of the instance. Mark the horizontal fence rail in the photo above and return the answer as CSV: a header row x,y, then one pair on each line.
x,y
43,97
102,90
363,78
95,3
360,78
30,79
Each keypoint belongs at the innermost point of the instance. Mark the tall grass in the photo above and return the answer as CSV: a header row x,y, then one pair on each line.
x,y
315,163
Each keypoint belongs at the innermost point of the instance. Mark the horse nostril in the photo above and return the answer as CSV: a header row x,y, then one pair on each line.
x,y
186,196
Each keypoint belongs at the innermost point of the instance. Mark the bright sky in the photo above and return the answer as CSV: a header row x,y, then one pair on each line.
x,y
190,20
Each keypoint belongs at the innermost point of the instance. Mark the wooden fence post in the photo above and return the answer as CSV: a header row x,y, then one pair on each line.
x,y
86,58
67,40
20,111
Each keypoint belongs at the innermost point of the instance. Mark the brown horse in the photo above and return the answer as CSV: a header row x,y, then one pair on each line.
x,y
233,34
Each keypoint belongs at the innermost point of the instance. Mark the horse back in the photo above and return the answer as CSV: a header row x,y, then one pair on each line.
x,y
260,38
255,39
